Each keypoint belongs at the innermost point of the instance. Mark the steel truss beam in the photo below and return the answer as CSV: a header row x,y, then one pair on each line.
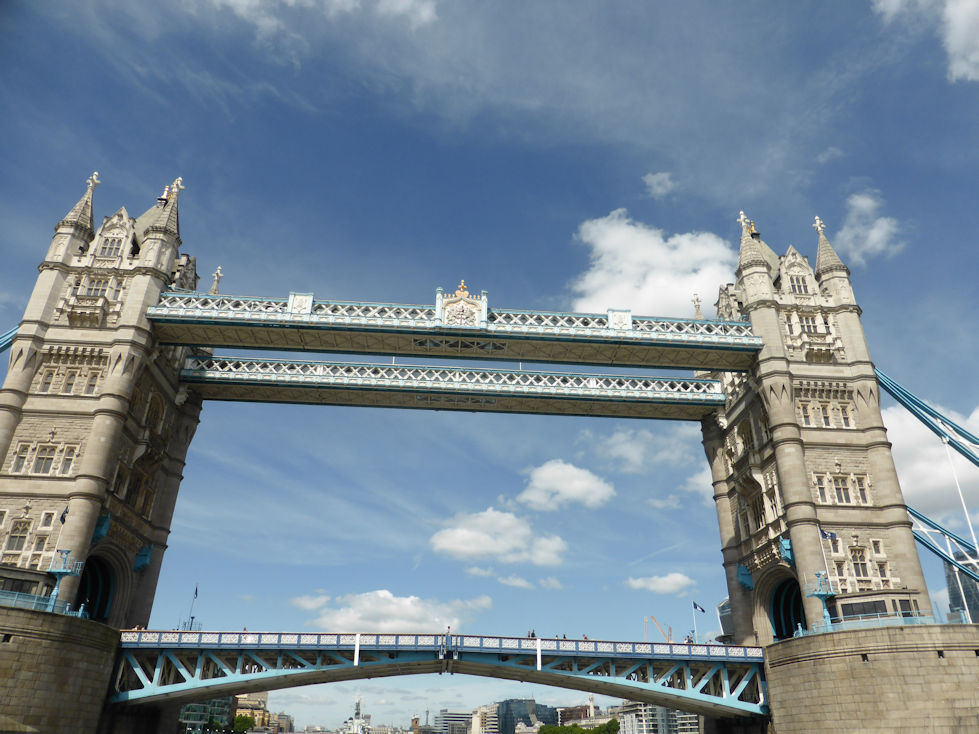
x,y
945,544
451,388
531,336
716,680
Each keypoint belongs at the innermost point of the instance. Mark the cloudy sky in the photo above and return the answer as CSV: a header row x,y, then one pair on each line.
x,y
574,156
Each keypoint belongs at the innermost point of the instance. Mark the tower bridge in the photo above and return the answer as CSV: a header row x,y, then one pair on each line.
x,y
114,357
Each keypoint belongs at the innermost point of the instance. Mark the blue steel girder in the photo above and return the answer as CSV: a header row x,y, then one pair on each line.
x,y
715,680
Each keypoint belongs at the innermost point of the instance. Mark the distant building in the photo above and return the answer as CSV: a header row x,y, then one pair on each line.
x,y
485,720
525,710
449,722
687,723
645,718
284,722
196,717
256,706
953,579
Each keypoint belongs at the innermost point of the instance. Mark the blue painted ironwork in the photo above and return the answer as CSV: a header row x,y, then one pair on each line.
x,y
745,578
717,680
505,334
7,338
956,550
948,430
866,621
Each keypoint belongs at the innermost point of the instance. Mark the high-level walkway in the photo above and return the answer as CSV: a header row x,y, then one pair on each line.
x,y
715,680
301,323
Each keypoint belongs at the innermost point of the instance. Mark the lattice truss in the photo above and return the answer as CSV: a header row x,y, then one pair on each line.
x,y
945,544
717,680
437,387
194,318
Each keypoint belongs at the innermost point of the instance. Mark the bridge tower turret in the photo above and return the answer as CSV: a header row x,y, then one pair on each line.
x,y
803,477
94,427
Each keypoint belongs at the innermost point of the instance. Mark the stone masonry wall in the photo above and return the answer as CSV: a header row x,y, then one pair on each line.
x,y
54,672
922,678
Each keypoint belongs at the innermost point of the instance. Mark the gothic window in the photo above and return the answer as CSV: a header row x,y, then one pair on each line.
x,y
44,459
821,487
20,458
824,412
67,459
96,287
18,535
806,418
809,324
111,247
39,544
858,557
93,381
798,284
788,324
116,290
3,516
758,512
845,416
47,519
69,384
876,545
861,487
840,569
46,379
834,545
842,490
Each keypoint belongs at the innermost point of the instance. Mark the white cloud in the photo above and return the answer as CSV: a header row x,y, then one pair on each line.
x,y
635,450
670,502
671,583
830,154
638,267
309,602
927,480
499,535
516,581
555,483
956,21
382,611
864,234
478,571
551,583
659,185
417,12
960,34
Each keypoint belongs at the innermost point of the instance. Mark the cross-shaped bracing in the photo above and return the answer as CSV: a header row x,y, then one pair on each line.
x,y
715,680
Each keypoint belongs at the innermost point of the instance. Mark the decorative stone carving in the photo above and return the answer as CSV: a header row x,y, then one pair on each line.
x,y
462,308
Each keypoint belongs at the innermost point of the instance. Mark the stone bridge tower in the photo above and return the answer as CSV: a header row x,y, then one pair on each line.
x,y
94,427
804,482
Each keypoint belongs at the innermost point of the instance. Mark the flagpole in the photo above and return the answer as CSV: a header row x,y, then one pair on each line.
x,y
693,612
190,621
823,549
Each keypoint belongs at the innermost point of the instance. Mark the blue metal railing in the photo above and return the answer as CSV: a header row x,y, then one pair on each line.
x,y
7,338
866,621
37,603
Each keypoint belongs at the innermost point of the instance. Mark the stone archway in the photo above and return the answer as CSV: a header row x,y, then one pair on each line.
x,y
97,589
786,609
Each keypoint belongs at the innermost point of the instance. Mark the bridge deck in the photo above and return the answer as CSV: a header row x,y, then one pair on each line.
x,y
717,680
528,336
451,388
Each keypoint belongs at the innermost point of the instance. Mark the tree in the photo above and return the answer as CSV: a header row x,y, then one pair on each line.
x,y
244,723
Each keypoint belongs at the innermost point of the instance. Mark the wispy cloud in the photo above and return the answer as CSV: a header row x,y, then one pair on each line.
x,y
555,484
637,266
499,535
671,583
550,582
955,21
382,611
865,234
518,582
659,185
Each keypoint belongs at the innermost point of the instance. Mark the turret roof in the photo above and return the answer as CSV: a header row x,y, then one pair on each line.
x,y
827,261
162,216
80,215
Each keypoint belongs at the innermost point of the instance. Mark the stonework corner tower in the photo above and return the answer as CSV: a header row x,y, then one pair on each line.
x,y
94,427
807,496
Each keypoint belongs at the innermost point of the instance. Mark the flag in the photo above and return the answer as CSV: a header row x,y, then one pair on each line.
x,y
699,608
64,515
827,535
195,592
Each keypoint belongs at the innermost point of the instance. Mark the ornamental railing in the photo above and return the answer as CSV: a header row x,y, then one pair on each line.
x,y
503,321
404,377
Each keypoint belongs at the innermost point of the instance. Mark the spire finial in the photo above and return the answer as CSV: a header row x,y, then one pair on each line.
x,y
819,225
698,314
176,187
93,181
217,279
744,222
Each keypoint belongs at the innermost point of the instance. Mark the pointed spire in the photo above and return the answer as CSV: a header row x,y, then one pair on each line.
x,y
751,253
827,261
80,216
163,216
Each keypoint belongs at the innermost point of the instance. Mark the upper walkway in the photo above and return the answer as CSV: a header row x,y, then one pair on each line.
x,y
715,680
447,329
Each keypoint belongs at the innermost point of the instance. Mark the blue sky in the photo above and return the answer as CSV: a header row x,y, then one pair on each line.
x,y
558,155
